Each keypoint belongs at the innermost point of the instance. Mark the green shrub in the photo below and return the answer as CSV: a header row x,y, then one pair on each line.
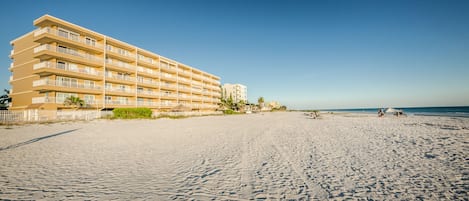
x,y
230,112
132,113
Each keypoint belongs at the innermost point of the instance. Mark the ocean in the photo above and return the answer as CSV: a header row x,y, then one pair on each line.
x,y
460,111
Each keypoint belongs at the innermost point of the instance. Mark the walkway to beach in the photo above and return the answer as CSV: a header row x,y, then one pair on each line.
x,y
239,157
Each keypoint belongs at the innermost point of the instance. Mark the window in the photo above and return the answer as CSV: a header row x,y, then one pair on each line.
x,y
89,84
139,78
73,67
90,41
140,89
89,99
63,33
61,97
108,85
108,99
61,65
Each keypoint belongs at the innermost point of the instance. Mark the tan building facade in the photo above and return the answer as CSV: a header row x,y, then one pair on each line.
x,y
60,59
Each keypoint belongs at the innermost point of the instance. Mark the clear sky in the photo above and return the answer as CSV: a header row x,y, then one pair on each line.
x,y
304,54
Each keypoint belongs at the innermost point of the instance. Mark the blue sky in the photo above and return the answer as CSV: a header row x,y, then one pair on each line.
x,y
304,54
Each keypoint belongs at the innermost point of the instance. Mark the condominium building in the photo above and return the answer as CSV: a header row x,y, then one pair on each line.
x,y
237,92
60,59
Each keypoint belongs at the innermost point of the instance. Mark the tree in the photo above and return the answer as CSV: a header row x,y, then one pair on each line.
x,y
74,102
5,99
260,101
240,105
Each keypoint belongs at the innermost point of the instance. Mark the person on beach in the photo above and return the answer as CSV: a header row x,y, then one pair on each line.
x,y
380,112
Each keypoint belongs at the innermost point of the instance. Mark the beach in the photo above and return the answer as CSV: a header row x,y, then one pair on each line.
x,y
266,156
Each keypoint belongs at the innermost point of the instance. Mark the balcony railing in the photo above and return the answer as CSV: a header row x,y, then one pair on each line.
x,y
115,89
76,39
121,52
148,82
147,92
61,100
163,95
120,64
142,103
120,77
66,51
149,71
119,102
67,84
47,64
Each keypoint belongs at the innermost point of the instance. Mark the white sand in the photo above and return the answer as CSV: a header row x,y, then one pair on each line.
x,y
273,156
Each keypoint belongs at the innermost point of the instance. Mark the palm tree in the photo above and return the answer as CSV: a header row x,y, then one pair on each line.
x,y
260,101
75,102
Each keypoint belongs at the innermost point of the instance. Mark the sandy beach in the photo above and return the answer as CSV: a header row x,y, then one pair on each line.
x,y
270,156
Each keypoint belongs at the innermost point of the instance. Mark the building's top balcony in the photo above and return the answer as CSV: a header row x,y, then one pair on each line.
x,y
70,37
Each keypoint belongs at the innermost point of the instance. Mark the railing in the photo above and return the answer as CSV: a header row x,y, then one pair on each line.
x,y
51,65
146,70
12,52
171,86
61,100
66,51
147,92
11,78
168,104
141,103
11,65
163,95
76,39
67,84
119,102
120,64
125,90
120,77
148,82
127,54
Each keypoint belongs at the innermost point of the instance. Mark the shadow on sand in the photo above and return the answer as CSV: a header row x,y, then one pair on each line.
x,y
36,140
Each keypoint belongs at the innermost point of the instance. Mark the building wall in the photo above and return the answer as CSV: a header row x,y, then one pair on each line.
x,y
236,91
61,59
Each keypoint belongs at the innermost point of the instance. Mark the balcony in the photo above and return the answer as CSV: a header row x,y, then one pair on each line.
x,y
12,52
119,65
47,68
39,100
47,35
147,93
149,83
125,55
148,104
47,51
120,102
69,86
168,86
148,72
121,78
120,91
168,96
169,77
168,104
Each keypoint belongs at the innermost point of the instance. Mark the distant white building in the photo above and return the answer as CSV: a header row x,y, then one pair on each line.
x,y
237,92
